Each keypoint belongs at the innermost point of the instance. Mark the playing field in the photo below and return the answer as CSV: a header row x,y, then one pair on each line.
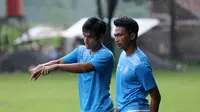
x,y
58,92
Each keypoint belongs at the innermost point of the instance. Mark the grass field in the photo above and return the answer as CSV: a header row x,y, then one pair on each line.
x,y
58,92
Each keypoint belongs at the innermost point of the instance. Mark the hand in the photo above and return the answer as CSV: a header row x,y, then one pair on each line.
x,y
35,72
36,68
46,69
41,70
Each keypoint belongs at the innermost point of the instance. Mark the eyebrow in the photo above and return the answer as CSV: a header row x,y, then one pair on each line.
x,y
89,35
118,33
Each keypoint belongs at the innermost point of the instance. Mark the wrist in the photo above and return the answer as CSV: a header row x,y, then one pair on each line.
x,y
56,66
41,65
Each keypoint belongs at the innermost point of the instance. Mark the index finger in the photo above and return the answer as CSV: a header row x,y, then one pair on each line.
x,y
35,74
31,77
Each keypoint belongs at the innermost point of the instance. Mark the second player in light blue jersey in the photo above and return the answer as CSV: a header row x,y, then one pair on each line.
x,y
134,77
94,63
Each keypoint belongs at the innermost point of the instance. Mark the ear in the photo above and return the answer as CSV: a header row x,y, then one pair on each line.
x,y
132,36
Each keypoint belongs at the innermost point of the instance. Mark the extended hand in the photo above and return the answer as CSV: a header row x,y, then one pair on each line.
x,y
46,69
36,68
36,72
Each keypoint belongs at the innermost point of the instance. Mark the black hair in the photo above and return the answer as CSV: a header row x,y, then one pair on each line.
x,y
128,23
95,26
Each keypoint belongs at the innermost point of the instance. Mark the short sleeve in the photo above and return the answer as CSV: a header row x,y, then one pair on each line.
x,y
145,76
71,57
102,60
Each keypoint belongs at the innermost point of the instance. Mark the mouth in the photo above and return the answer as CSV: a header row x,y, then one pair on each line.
x,y
87,45
118,45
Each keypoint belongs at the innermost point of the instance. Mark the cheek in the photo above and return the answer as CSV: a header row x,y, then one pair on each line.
x,y
89,41
121,39
124,41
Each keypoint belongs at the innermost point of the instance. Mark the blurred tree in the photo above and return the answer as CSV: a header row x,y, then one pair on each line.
x,y
138,2
111,7
111,4
99,9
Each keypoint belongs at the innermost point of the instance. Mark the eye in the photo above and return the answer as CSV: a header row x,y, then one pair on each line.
x,y
89,36
117,35
120,34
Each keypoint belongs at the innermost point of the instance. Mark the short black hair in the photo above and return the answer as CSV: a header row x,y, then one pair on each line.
x,y
128,23
95,26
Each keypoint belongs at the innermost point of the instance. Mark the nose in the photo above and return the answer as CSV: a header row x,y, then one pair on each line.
x,y
116,39
86,38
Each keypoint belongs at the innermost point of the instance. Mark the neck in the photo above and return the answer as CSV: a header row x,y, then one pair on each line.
x,y
130,50
96,48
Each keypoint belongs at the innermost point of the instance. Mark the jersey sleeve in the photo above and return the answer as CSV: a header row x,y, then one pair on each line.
x,y
103,61
145,76
71,57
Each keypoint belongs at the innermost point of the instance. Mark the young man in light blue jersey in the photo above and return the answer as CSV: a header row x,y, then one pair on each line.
x,y
134,77
94,63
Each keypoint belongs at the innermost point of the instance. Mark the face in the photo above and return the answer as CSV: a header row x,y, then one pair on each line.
x,y
90,40
122,37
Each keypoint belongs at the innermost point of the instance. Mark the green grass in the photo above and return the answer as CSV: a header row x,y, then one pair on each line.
x,y
58,92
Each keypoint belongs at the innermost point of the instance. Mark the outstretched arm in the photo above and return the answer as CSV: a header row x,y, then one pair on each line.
x,y
52,65
155,99
35,71
58,61
74,68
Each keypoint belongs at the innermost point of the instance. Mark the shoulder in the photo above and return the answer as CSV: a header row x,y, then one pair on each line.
x,y
123,53
81,48
142,56
105,52
139,60
82,51
135,60
143,67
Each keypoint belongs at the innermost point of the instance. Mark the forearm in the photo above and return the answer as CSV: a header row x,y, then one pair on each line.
x,y
154,106
74,68
51,63
40,66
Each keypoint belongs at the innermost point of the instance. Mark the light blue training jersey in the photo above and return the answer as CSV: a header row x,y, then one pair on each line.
x,y
93,86
133,80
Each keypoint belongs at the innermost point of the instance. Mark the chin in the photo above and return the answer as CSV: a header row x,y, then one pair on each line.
x,y
120,47
87,46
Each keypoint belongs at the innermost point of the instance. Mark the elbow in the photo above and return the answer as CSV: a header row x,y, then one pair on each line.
x,y
86,68
158,98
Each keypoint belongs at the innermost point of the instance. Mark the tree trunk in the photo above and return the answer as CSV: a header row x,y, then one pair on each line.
x,y
111,4
99,9
172,12
108,40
